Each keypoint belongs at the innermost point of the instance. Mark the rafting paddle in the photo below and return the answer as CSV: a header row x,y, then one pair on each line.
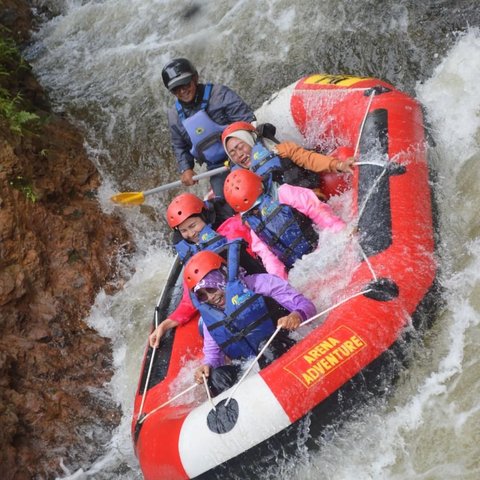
x,y
137,198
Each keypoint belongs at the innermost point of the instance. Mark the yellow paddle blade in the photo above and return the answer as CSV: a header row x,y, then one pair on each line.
x,y
133,198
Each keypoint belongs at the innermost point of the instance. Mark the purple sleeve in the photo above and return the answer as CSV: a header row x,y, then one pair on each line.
x,y
281,291
213,355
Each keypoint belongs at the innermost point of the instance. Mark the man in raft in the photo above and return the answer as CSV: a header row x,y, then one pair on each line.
x,y
240,313
197,119
197,226
281,217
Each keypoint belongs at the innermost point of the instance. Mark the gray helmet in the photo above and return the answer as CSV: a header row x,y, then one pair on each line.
x,y
177,72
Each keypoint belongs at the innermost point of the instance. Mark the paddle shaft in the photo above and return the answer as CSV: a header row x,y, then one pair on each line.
x,y
178,183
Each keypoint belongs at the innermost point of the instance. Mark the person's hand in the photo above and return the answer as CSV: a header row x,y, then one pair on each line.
x,y
155,337
291,321
353,231
200,372
345,166
187,178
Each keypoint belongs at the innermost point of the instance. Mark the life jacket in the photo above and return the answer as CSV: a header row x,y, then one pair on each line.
x,y
283,170
204,133
288,233
209,240
264,161
245,321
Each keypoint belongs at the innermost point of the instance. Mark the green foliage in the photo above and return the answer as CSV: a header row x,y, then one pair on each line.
x,y
11,111
23,185
9,53
11,105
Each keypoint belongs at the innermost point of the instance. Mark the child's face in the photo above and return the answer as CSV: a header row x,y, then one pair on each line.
x,y
190,229
212,296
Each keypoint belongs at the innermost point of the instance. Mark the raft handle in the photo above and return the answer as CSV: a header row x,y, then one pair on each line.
x,y
378,90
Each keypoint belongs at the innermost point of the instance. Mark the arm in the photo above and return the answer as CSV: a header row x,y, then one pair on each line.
x,y
226,106
185,310
155,337
270,261
281,291
213,355
314,161
305,201
234,108
233,228
181,147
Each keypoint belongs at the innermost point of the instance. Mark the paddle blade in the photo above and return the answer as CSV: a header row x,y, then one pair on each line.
x,y
132,198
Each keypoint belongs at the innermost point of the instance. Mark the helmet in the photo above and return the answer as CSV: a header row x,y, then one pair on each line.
x,y
242,188
235,127
177,72
199,265
183,207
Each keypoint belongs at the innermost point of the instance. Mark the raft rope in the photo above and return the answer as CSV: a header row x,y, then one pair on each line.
x,y
254,362
191,387
367,261
370,192
160,300
208,392
378,164
363,122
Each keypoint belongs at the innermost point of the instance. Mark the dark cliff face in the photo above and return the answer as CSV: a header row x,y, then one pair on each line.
x,y
57,250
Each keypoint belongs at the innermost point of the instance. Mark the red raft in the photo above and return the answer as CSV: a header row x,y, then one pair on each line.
x,y
342,358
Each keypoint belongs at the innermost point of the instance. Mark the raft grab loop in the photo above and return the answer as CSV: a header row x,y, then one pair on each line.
x,y
377,90
382,289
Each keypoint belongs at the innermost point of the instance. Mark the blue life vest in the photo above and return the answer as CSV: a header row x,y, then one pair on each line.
x,y
245,322
204,133
209,240
288,233
263,161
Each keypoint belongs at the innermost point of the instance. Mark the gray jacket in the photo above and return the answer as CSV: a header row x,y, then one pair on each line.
x,y
224,107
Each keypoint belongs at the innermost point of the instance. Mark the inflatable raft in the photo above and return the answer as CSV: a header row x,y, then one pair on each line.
x,y
359,344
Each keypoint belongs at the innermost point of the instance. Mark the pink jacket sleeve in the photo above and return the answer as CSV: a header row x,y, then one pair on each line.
x,y
185,310
270,261
305,201
233,228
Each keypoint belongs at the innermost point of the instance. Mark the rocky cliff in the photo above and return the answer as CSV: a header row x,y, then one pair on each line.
x,y
57,249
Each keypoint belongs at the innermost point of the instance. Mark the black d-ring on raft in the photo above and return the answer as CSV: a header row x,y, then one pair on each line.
x,y
382,289
224,417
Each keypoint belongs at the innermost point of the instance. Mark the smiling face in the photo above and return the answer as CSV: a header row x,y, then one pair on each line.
x,y
186,93
190,229
212,296
239,151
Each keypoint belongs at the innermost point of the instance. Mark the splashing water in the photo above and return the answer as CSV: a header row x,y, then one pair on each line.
x,y
101,62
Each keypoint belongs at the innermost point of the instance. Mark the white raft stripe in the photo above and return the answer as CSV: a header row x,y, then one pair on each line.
x,y
260,417
277,110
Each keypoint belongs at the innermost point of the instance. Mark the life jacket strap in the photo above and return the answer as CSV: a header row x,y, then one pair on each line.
x,y
241,335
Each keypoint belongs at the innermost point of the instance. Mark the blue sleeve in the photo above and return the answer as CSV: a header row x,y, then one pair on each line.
x,y
281,291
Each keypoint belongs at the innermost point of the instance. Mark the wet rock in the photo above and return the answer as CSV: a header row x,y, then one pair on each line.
x,y
57,250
